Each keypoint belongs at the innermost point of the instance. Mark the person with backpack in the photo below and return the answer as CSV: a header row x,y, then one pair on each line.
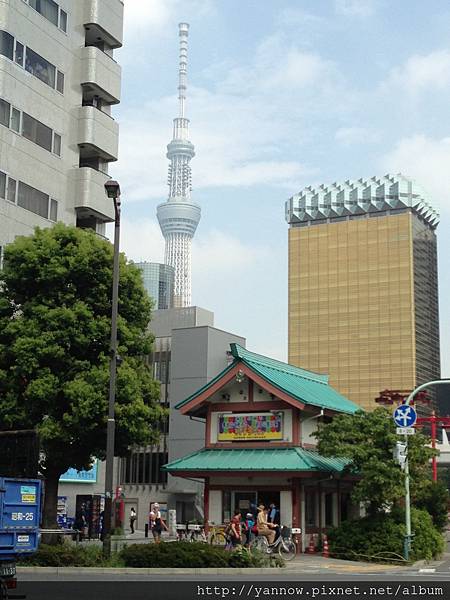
x,y
249,528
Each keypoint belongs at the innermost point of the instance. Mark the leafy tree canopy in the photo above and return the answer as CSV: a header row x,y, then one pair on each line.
x,y
367,440
55,327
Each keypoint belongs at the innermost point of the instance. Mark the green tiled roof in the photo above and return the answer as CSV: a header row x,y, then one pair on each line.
x,y
305,386
242,459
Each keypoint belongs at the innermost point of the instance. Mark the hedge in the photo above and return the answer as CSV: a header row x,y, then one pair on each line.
x,y
373,537
68,555
190,555
164,555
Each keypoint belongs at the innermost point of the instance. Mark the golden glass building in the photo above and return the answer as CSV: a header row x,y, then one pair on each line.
x,y
363,294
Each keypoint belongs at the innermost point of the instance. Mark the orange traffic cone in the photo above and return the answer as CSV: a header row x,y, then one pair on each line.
x,y
325,550
311,548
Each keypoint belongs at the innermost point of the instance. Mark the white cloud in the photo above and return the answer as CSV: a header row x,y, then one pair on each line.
x,y
355,8
140,15
426,72
140,239
348,136
217,254
294,16
240,125
147,13
427,160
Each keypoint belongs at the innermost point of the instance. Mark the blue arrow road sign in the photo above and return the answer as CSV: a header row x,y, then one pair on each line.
x,y
405,416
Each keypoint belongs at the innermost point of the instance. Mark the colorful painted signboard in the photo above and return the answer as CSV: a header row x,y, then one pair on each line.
x,y
74,476
253,426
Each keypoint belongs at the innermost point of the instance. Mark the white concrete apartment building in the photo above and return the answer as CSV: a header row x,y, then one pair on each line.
x,y
58,82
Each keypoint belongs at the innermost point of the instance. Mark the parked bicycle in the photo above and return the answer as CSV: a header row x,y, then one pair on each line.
x,y
283,544
191,533
217,536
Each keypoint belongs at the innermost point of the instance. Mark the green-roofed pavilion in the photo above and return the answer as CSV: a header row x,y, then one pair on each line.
x,y
260,415
297,386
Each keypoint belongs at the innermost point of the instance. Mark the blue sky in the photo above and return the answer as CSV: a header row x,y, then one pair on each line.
x,y
282,94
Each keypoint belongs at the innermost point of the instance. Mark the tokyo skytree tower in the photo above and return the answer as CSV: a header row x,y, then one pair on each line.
x,y
179,216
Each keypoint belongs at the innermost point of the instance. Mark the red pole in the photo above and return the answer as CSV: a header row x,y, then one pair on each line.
x,y
433,444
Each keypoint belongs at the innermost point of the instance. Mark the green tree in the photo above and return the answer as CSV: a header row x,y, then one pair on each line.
x,y
55,324
367,440
433,497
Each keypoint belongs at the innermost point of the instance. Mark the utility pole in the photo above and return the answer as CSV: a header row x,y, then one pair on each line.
x,y
113,191
407,541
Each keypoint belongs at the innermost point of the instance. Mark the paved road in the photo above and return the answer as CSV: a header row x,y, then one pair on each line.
x,y
195,589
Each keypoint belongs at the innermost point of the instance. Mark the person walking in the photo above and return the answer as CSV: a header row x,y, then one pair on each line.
x,y
264,527
132,518
156,523
235,528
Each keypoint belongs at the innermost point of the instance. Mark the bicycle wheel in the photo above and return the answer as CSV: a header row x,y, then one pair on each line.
x,y
287,549
198,536
218,539
260,544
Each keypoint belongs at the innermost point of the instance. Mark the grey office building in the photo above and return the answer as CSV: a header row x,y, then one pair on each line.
x,y
188,352
159,283
58,82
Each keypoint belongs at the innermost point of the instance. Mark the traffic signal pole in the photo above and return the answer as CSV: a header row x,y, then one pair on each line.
x,y
407,540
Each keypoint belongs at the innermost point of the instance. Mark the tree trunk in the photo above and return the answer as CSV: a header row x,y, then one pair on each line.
x,y
49,513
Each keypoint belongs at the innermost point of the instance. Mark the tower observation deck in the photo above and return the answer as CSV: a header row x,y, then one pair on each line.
x,y
179,216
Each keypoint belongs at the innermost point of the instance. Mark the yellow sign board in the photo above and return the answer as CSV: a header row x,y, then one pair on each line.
x,y
253,426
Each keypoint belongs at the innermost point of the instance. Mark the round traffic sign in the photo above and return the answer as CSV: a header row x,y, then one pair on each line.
x,y
405,415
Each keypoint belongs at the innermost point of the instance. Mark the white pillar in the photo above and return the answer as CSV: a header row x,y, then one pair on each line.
x,y
335,496
215,506
286,507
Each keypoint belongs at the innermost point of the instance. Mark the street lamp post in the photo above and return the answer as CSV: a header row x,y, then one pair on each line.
x,y
112,191
407,541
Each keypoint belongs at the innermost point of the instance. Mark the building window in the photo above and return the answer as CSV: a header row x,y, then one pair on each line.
x,y
15,120
5,109
63,20
56,144
34,63
6,44
19,53
28,197
12,183
47,8
53,210
50,11
30,128
60,82
40,68
145,467
33,200
36,132
2,185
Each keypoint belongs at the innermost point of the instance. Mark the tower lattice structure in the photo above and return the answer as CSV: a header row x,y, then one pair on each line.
x,y
179,216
